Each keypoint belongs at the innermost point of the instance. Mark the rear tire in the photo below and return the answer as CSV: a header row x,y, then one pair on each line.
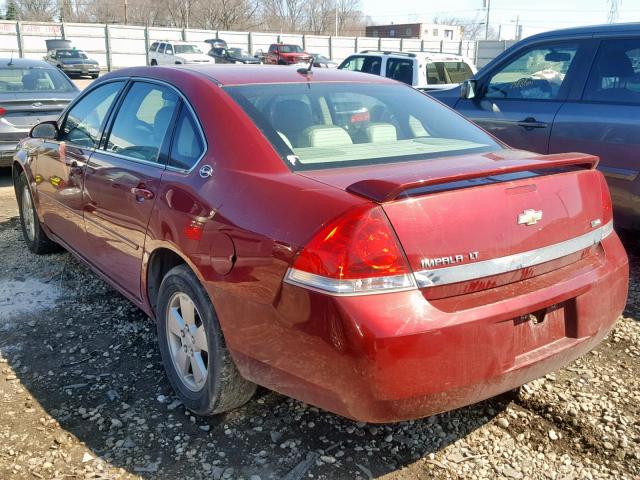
x,y
95,75
194,353
32,232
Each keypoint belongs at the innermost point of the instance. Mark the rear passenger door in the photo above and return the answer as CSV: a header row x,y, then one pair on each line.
x,y
401,69
518,100
606,122
123,177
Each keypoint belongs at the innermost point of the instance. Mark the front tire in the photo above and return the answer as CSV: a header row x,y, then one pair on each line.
x,y
194,353
153,63
32,232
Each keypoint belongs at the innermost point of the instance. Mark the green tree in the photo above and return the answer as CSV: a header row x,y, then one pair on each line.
x,y
12,11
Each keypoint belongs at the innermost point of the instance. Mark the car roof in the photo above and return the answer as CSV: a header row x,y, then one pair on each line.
x,y
590,30
23,63
231,74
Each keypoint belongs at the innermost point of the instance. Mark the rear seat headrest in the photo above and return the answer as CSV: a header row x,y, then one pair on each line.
x,y
326,136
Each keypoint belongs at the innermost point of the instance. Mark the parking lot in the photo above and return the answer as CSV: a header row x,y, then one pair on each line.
x,y
83,395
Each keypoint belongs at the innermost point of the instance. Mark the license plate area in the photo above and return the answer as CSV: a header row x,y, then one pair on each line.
x,y
541,328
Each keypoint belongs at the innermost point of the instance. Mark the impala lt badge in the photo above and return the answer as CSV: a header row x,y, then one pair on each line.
x,y
449,260
529,217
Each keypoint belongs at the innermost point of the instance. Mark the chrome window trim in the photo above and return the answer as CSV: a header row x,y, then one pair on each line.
x,y
496,266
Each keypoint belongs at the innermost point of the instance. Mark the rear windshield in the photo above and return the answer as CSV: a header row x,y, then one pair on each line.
x,y
331,125
440,73
33,80
290,49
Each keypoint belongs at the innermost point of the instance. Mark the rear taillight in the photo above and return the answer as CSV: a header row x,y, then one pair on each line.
x,y
2,111
355,254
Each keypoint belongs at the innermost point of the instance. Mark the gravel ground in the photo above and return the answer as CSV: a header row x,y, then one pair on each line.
x,y
83,395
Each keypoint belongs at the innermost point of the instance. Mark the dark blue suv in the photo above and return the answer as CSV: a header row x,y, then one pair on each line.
x,y
567,90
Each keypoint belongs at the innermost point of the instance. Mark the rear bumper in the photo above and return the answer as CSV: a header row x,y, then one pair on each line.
x,y
7,151
397,356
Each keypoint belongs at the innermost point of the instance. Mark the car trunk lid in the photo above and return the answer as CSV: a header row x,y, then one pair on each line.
x,y
474,222
23,111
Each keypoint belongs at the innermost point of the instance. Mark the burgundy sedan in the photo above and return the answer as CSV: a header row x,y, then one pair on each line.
x,y
339,238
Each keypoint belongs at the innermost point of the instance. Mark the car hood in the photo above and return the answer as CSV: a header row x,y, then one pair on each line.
x,y
295,55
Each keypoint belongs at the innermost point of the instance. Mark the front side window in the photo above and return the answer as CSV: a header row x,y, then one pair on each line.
x,y
537,74
23,80
400,69
86,118
615,75
162,47
332,125
182,49
168,49
141,123
363,64
187,146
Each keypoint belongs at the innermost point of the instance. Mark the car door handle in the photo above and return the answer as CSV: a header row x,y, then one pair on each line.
x,y
142,194
531,123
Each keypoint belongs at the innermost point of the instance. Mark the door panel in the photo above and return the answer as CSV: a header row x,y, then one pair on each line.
x,y
606,123
116,211
122,182
61,163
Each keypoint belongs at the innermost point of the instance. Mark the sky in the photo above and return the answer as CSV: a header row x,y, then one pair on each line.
x,y
535,15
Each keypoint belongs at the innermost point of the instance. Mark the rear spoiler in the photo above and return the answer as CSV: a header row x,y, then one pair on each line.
x,y
384,190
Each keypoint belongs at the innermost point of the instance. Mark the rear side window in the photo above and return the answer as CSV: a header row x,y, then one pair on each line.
x,y
84,121
400,69
615,75
362,64
142,121
187,146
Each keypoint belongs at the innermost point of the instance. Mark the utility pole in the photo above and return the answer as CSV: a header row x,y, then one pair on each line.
x,y
336,18
518,27
125,12
487,4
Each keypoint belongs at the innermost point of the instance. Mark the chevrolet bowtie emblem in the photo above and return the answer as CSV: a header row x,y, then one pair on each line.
x,y
529,217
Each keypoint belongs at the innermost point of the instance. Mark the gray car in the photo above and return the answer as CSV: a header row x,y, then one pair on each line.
x,y
31,91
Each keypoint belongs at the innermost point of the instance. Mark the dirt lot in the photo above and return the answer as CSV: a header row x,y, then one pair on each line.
x,y
83,395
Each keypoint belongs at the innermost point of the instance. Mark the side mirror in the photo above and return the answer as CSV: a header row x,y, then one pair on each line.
x,y
468,89
45,130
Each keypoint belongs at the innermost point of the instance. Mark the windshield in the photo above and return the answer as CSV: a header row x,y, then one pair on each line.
x,y
290,49
331,125
439,73
186,49
19,80
71,54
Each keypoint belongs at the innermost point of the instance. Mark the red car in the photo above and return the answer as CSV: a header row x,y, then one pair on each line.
x,y
283,54
339,238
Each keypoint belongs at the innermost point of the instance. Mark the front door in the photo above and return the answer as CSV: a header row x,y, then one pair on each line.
x,y
122,181
59,170
517,101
